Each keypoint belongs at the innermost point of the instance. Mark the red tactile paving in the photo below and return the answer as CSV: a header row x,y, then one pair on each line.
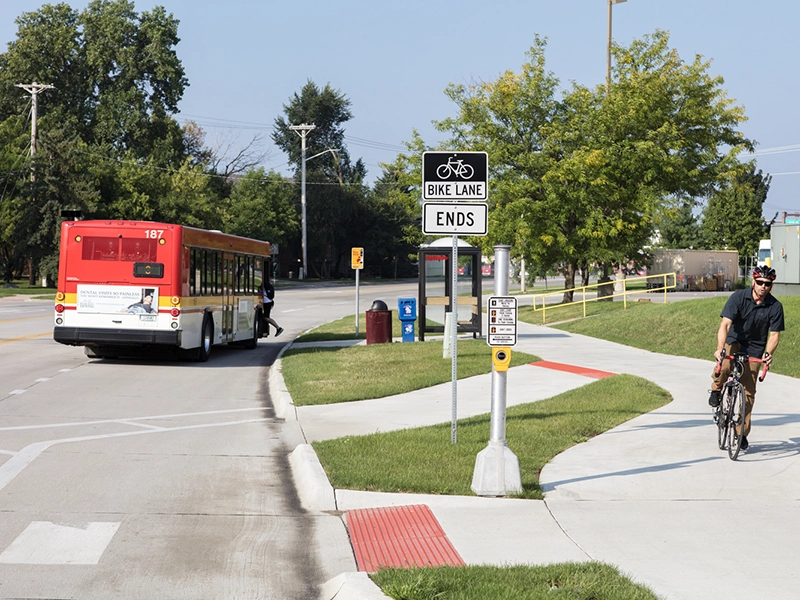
x,y
399,536
594,373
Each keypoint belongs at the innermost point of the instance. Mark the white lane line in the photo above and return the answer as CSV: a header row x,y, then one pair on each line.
x,y
13,466
16,392
291,310
42,379
135,424
64,370
46,543
204,413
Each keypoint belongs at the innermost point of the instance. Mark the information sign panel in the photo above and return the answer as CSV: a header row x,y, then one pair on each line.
x,y
502,321
457,218
455,176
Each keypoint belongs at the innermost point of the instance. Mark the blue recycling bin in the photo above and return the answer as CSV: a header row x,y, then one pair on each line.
x,y
407,311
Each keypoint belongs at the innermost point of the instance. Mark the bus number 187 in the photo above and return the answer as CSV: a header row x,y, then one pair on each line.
x,y
153,234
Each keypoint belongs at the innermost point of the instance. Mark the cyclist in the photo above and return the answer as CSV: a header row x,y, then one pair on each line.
x,y
752,320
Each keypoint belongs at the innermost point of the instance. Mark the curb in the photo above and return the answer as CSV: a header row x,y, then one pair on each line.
x,y
313,487
351,586
282,401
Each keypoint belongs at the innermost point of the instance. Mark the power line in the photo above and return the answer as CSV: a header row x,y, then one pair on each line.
x,y
220,123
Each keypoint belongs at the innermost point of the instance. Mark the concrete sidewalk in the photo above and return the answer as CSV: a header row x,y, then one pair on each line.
x,y
654,496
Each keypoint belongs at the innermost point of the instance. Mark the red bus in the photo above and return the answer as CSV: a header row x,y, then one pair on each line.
x,y
128,286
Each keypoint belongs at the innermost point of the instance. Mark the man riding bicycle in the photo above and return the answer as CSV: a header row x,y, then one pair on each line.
x,y
752,320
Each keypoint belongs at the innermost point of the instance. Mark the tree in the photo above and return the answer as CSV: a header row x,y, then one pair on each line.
x,y
585,175
335,183
679,227
115,149
732,217
261,206
116,72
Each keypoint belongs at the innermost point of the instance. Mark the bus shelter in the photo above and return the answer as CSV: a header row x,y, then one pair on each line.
x,y
436,281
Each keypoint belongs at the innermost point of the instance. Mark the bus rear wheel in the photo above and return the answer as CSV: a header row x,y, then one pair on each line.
x,y
204,351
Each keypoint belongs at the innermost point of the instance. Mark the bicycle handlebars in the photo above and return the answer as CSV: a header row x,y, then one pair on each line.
x,y
749,359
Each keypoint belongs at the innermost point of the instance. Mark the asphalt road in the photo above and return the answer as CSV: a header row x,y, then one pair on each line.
x,y
156,479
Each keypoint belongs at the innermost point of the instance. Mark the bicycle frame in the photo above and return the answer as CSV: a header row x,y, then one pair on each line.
x,y
732,408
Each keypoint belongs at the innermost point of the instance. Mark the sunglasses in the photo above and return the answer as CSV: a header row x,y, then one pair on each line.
x,y
763,283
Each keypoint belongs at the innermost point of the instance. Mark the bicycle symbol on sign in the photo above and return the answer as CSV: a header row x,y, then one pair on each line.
x,y
455,167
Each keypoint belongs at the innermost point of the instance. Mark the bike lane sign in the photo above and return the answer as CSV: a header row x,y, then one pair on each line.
x,y
455,176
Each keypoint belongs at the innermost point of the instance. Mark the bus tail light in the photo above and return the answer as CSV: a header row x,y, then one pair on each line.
x,y
59,308
60,297
175,312
175,300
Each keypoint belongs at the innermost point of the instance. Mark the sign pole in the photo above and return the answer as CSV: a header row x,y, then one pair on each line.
x,y
357,263
454,340
357,300
458,178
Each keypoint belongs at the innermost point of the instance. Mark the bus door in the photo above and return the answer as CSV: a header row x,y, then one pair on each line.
x,y
228,297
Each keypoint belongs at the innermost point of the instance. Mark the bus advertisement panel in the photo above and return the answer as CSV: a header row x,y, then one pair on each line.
x,y
133,285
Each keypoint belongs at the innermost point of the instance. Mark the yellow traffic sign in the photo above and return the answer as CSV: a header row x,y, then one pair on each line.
x,y
357,258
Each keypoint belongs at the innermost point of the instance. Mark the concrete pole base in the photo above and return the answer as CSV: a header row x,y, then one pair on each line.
x,y
496,471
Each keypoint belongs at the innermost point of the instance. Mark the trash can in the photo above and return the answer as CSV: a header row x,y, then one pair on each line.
x,y
407,313
379,323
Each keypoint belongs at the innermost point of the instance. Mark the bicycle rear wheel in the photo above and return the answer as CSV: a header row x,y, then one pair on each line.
x,y
736,418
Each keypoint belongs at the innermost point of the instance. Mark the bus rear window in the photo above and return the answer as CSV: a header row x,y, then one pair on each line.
x,y
100,248
120,249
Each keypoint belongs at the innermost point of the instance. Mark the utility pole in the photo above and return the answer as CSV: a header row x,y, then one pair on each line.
x,y
33,89
303,130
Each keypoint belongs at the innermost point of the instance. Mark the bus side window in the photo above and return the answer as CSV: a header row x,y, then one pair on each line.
x,y
194,272
251,289
218,283
258,270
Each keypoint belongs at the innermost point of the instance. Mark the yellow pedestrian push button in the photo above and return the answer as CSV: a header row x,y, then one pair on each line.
x,y
501,358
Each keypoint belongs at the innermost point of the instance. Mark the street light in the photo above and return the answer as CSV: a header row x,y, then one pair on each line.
x,y
608,47
303,130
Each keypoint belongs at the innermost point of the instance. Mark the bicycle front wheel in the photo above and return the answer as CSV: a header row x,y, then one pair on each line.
x,y
723,417
736,419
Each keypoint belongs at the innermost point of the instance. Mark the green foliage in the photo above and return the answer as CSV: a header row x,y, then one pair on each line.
x,y
581,179
261,206
341,212
678,227
732,218
108,144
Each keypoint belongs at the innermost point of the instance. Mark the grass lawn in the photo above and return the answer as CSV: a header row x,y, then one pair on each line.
x,y
20,287
686,328
569,581
328,375
535,432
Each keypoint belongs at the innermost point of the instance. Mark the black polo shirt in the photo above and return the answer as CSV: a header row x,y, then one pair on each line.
x,y
752,322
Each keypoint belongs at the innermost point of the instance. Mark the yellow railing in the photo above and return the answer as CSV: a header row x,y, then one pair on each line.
x,y
667,282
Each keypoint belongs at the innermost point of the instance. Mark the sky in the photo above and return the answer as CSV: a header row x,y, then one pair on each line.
x,y
393,60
